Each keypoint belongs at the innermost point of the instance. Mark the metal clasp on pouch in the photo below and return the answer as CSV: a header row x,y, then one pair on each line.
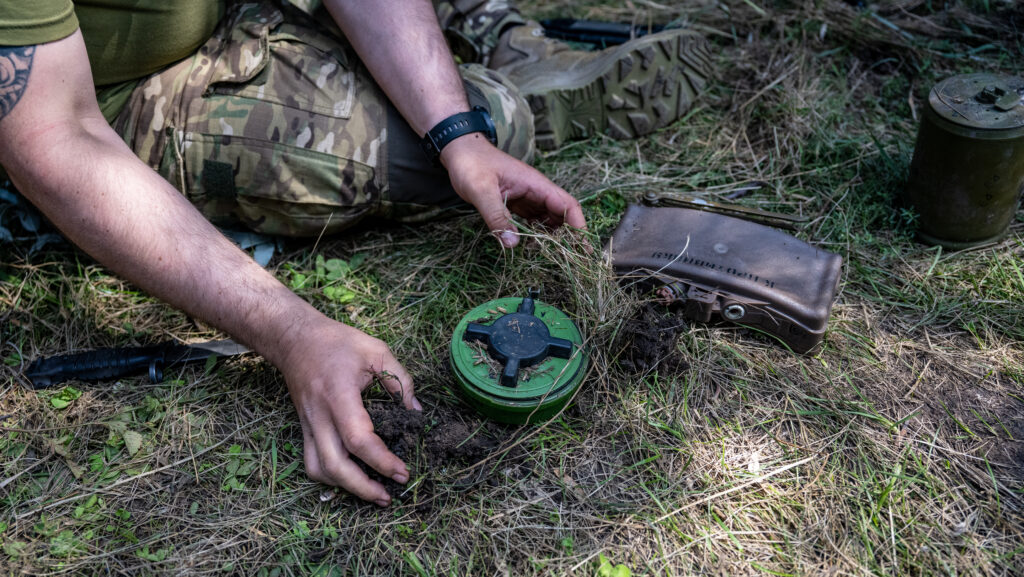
x,y
765,217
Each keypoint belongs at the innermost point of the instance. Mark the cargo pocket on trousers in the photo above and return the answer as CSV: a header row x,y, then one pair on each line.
x,y
267,144
272,188
304,69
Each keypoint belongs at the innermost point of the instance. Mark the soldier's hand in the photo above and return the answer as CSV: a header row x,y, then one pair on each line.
x,y
497,184
327,369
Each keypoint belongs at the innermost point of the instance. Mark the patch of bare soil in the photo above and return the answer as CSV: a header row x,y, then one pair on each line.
x,y
437,442
984,412
399,428
649,340
981,410
441,437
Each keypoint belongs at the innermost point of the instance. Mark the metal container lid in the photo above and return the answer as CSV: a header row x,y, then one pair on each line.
x,y
980,101
517,360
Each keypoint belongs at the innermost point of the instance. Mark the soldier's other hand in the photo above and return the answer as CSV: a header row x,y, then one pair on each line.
x,y
498,184
327,368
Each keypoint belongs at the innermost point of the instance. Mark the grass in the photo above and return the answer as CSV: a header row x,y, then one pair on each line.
x,y
895,449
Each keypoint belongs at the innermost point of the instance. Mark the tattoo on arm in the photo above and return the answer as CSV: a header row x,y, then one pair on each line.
x,y
15,66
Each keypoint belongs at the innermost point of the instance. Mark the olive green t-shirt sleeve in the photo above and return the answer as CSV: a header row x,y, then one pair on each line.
x,y
28,22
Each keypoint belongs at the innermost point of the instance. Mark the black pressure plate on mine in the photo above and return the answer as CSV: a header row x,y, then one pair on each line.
x,y
517,360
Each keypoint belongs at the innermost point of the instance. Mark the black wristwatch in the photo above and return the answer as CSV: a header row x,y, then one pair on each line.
x,y
456,125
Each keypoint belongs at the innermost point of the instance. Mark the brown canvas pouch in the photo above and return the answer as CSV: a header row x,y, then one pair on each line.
x,y
724,267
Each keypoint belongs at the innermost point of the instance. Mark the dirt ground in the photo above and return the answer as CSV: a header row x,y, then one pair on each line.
x,y
649,340
897,448
440,444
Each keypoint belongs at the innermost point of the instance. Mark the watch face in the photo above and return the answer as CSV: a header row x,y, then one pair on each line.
x,y
491,132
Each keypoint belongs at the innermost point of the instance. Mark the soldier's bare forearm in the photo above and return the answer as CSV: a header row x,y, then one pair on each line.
x,y
401,43
61,153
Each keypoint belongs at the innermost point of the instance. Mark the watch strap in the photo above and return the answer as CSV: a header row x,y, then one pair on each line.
x,y
456,125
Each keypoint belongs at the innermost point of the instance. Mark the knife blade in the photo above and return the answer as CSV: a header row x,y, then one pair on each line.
x,y
112,363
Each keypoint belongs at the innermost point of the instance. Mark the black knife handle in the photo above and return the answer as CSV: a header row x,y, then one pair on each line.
x,y
594,31
98,365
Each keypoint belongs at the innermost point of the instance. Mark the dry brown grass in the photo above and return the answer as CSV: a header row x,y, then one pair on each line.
x,y
897,448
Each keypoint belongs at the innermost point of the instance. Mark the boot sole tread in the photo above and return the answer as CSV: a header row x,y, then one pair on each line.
x,y
631,93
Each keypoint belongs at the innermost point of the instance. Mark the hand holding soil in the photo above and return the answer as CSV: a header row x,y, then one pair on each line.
x,y
326,375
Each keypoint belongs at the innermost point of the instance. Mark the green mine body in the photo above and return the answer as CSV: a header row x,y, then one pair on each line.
x,y
968,166
540,387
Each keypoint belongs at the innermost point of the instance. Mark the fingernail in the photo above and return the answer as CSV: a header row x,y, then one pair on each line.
x,y
383,502
416,404
509,239
402,478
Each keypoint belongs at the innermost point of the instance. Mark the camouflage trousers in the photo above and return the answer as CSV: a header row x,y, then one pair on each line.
x,y
473,27
275,124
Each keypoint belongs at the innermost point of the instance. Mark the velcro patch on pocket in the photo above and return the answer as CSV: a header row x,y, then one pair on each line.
x,y
218,179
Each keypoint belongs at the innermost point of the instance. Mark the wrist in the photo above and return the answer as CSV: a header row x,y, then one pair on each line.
x,y
282,340
431,118
463,148
457,127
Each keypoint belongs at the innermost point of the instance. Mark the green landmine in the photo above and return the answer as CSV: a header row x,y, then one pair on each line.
x,y
517,360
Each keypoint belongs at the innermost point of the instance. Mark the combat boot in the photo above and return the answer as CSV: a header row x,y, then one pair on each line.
x,y
623,91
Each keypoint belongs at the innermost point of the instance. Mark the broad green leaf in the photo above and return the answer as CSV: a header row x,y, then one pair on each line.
x,y
336,268
298,280
338,294
132,442
117,426
64,544
64,398
246,468
14,548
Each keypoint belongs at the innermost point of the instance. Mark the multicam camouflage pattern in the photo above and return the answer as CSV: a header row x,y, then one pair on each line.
x,y
473,27
275,124
513,121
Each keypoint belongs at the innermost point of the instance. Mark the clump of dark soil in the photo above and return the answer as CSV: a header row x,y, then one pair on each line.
x,y
649,340
432,442
438,437
399,428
